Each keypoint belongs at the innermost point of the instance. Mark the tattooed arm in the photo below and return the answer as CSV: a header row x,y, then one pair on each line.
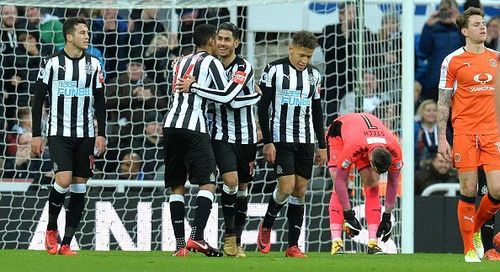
x,y
442,118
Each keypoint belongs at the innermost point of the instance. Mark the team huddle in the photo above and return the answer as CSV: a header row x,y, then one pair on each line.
x,y
290,115
291,120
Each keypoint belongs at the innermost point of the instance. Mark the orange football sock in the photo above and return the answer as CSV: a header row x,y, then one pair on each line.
x,y
487,209
466,214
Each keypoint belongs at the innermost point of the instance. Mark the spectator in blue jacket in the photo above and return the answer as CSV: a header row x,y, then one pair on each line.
x,y
440,37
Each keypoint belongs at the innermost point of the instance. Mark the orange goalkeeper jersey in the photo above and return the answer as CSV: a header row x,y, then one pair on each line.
x,y
472,79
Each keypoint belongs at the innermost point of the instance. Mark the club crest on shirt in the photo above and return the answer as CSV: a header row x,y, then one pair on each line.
x,y
345,164
457,157
88,68
312,78
493,62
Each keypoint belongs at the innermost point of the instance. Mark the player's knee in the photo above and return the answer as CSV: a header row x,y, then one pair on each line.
x,y
230,179
371,192
495,192
468,190
299,192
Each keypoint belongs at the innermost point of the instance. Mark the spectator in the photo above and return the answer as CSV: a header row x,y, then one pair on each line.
x,y
190,18
131,96
9,80
493,40
28,58
388,49
438,170
157,58
110,34
49,26
389,113
372,95
144,29
22,166
339,43
130,168
426,136
150,145
440,36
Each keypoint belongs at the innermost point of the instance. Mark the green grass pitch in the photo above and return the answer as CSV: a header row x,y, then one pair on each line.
x,y
90,261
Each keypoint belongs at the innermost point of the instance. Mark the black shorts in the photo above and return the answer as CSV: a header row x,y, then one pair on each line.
x,y
72,154
188,152
232,157
294,159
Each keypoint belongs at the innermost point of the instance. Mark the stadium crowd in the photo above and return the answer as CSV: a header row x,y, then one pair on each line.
x,y
136,50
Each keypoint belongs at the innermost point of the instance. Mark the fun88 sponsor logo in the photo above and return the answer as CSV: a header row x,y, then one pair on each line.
x,y
293,98
70,88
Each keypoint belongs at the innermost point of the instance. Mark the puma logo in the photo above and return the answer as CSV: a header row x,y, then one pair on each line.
x,y
469,218
63,68
229,206
490,212
492,226
467,63
337,211
287,76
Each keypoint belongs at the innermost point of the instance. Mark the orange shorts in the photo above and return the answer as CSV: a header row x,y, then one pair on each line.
x,y
335,147
472,151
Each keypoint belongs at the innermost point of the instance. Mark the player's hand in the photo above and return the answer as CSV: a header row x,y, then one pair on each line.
x,y
100,146
257,89
269,152
37,146
444,149
320,157
351,224
184,84
385,227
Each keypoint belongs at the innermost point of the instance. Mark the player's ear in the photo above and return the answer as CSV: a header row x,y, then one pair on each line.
x,y
236,43
464,31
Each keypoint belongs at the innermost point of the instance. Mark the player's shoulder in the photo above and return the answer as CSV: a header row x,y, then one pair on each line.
x,y
242,63
313,69
492,53
459,53
91,56
277,62
53,56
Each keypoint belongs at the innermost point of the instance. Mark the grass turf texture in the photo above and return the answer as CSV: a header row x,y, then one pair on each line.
x,y
28,260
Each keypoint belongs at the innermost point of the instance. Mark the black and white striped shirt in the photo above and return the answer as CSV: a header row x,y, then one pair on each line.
x,y
72,84
188,110
291,94
235,123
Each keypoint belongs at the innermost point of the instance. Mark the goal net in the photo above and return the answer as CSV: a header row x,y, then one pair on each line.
x,y
127,208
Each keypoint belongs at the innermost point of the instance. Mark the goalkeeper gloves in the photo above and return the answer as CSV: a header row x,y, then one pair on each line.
x,y
385,227
351,224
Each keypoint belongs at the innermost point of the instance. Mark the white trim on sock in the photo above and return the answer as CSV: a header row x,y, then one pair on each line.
x,y
176,197
79,188
207,194
60,189
275,197
296,201
229,190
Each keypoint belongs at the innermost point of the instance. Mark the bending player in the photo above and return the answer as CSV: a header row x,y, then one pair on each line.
x,y
361,139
